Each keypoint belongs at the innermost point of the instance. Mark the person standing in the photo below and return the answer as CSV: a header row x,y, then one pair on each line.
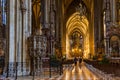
x,y
75,61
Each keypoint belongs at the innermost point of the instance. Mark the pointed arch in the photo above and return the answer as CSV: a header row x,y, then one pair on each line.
x,y
80,24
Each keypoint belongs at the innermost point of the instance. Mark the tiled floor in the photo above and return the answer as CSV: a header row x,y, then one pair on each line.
x,y
71,72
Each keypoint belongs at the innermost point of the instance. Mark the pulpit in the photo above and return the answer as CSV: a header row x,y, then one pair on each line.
x,y
37,49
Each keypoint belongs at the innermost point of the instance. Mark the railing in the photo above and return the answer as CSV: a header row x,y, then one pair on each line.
x,y
115,60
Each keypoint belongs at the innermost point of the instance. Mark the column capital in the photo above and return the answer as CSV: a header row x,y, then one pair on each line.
x,y
22,6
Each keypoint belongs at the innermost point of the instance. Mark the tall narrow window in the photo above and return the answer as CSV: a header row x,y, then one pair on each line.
x,y
3,4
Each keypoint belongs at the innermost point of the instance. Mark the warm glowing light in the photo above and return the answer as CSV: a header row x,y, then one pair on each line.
x,y
82,25
67,75
79,50
72,50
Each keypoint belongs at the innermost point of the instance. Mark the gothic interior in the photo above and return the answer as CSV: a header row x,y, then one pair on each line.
x,y
31,30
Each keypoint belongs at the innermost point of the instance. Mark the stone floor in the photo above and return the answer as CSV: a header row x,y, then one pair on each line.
x,y
81,71
108,68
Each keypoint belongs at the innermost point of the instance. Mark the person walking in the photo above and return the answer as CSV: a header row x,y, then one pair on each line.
x,y
75,61
80,61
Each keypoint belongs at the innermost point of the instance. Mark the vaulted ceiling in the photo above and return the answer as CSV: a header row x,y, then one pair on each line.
x,y
87,3
76,23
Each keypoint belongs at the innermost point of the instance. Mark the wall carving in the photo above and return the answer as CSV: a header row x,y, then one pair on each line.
x,y
113,31
37,47
114,41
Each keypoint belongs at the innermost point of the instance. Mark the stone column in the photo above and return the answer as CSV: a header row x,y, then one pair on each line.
x,y
12,37
27,33
45,7
46,12
12,31
19,20
113,10
108,13
57,20
107,47
7,38
25,12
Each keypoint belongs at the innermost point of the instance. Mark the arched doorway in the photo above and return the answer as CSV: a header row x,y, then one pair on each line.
x,y
78,16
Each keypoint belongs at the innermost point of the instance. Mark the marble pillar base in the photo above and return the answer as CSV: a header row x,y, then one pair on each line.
x,y
21,70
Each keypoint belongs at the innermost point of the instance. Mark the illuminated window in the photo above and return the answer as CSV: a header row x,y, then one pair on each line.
x,y
3,4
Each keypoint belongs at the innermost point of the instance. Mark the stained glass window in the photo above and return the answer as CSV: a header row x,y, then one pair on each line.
x,y
3,4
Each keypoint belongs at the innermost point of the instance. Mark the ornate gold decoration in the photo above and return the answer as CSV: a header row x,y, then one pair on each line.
x,y
74,22
36,8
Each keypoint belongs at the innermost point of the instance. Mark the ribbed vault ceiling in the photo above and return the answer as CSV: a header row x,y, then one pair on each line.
x,y
75,21
68,2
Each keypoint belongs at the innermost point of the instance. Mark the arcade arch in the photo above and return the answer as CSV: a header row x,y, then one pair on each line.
x,y
80,24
